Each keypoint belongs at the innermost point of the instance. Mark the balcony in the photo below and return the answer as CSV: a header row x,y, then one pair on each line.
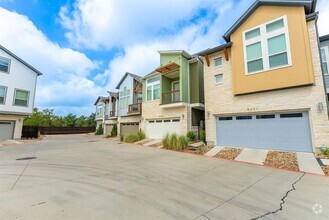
x,y
171,97
112,114
135,108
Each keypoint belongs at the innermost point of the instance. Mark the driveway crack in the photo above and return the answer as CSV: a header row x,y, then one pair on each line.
x,y
283,201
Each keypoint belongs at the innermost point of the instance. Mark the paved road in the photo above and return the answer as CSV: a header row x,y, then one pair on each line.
x,y
86,177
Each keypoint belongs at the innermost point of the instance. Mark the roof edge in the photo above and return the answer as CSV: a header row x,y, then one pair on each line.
x,y
21,60
215,49
182,52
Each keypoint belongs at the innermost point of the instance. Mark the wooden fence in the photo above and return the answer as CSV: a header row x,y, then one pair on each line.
x,y
32,131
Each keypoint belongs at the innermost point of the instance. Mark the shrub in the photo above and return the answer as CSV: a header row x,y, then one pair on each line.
x,y
165,141
191,135
99,130
114,131
132,138
175,142
141,135
203,136
122,138
182,143
325,151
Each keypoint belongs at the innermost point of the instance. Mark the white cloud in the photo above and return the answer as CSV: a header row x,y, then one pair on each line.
x,y
323,7
65,71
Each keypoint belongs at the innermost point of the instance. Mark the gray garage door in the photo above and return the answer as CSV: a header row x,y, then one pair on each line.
x,y
129,128
6,130
282,131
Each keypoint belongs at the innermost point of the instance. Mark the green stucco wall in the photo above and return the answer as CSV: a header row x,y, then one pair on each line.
x,y
184,79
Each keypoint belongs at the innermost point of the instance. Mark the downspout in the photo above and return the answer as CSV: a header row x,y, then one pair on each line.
x,y
319,48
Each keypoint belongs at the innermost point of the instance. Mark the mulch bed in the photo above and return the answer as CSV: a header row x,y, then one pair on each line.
x,y
325,170
322,156
229,153
201,151
283,160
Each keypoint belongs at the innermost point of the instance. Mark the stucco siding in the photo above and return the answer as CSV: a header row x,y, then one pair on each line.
x,y
220,99
300,72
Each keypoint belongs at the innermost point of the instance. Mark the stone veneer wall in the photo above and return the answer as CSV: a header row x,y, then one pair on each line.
x,y
219,99
152,110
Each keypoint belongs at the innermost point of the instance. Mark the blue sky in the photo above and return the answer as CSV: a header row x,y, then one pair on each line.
x,y
83,47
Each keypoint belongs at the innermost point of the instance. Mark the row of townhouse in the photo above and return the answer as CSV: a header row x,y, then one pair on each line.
x,y
263,88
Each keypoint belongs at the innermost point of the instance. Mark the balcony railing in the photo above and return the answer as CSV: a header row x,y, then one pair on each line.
x,y
135,108
171,97
112,114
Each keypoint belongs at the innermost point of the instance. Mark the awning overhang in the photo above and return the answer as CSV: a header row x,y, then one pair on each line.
x,y
168,67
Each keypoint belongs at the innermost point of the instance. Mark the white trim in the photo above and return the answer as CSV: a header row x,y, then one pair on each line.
x,y
171,105
219,83
200,105
262,38
152,84
326,51
220,57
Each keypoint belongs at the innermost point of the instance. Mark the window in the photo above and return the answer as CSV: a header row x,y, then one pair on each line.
x,y
99,110
219,79
265,116
267,46
153,88
4,65
243,117
124,98
324,59
225,118
218,62
291,115
21,97
3,91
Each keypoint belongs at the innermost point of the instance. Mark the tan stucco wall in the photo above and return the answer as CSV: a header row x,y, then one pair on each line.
x,y
301,71
152,110
220,99
18,123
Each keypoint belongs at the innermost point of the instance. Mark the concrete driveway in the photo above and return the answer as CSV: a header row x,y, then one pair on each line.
x,y
86,177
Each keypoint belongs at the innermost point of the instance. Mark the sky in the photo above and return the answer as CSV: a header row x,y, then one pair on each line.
x,y
84,47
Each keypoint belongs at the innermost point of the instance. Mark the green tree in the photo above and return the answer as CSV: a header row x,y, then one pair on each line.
x,y
69,120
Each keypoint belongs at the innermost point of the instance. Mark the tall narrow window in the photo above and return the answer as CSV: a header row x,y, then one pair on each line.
x,y
324,59
3,91
153,88
4,65
124,98
267,46
218,61
21,97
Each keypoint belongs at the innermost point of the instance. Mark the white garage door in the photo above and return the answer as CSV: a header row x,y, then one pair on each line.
x,y
157,129
281,131
6,130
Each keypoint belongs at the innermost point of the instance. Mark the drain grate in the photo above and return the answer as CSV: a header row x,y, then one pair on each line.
x,y
26,158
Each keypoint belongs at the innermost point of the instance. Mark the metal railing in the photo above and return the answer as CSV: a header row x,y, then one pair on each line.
x,y
135,108
171,97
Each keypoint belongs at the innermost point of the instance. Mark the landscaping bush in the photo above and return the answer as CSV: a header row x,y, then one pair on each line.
x,y
165,141
99,130
175,142
122,138
203,136
325,151
141,135
132,138
114,131
191,135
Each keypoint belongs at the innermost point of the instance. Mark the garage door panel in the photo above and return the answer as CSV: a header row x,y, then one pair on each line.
x,y
284,132
157,129
129,128
7,130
